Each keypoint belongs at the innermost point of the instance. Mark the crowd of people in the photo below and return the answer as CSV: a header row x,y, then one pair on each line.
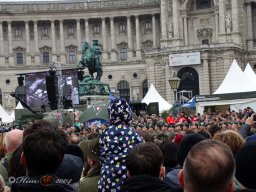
x,y
213,151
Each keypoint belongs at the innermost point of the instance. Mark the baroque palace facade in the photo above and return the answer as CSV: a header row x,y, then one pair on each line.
x,y
136,37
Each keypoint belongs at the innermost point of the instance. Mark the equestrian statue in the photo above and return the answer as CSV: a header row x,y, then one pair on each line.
x,y
91,59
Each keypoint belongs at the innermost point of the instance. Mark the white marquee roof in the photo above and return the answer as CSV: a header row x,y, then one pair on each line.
x,y
153,96
250,74
235,82
6,118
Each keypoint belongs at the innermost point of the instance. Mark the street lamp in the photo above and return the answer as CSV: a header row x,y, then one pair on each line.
x,y
174,83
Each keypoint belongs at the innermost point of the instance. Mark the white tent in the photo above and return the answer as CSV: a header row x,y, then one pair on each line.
x,y
5,116
12,115
153,96
235,82
250,74
19,106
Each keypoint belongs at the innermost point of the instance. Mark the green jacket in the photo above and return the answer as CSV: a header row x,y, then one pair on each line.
x,y
90,183
4,167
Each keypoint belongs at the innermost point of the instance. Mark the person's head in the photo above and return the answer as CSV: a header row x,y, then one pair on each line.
x,y
13,140
15,168
209,166
170,152
145,159
43,148
119,112
245,165
187,142
233,139
214,129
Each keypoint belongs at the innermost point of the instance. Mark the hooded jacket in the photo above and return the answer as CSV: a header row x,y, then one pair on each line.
x,y
144,183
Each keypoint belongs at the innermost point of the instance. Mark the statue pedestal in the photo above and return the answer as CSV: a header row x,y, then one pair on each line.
x,y
89,100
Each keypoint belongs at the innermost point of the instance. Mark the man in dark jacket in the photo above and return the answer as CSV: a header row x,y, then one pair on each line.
x,y
145,168
43,148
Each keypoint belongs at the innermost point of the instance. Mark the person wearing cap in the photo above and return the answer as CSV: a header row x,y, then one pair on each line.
x,y
116,141
91,151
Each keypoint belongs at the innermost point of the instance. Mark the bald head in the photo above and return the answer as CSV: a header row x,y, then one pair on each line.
x,y
209,166
13,140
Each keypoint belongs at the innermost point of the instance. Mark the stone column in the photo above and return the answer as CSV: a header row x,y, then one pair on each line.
x,y
27,36
61,36
10,36
78,28
175,19
249,25
236,35
104,38
36,36
28,56
164,19
87,31
154,30
113,41
206,75
216,27
54,56
138,47
129,36
62,49
11,56
235,21
37,57
1,39
2,58
185,22
222,15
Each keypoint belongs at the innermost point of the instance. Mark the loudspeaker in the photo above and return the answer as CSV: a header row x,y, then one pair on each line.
x,y
51,91
80,75
153,108
20,81
137,107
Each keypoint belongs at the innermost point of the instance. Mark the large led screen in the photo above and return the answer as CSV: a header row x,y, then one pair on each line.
x,y
36,88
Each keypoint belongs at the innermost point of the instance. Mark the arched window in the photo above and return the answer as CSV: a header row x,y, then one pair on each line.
x,y
124,89
189,80
145,87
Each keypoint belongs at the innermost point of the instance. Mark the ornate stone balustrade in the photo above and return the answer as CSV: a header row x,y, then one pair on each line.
x,y
74,6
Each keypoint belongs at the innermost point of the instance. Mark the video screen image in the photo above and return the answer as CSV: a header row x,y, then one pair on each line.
x,y
36,88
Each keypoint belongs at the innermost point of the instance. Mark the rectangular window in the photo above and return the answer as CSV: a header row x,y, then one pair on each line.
x,y
72,56
6,59
18,33
19,57
71,30
123,54
45,31
96,30
46,57
122,28
148,26
205,42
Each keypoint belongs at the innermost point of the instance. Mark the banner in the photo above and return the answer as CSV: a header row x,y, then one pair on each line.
x,y
185,59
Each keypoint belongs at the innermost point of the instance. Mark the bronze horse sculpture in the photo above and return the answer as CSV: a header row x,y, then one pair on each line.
x,y
91,59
